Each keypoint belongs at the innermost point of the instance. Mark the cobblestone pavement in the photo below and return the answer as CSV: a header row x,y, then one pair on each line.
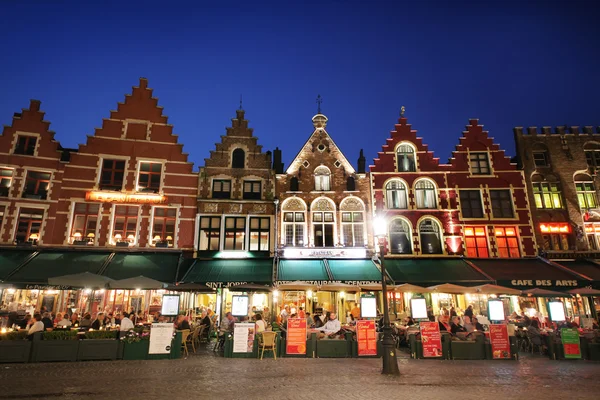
x,y
207,376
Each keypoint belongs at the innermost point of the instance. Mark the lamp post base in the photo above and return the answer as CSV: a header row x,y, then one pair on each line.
x,y
390,364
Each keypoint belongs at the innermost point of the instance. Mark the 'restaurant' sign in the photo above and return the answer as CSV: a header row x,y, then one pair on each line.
x,y
118,197
325,253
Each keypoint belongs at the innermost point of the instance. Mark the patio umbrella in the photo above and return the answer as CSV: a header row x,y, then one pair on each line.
x,y
585,292
297,285
190,287
339,287
374,286
495,289
407,287
137,282
451,289
537,292
81,280
249,287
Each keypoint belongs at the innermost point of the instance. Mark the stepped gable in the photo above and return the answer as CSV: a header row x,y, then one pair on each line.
x,y
140,105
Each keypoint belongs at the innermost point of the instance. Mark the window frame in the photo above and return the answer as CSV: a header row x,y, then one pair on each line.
x,y
224,194
126,232
260,230
503,236
325,225
30,222
592,157
235,230
408,234
424,190
409,156
295,223
477,235
235,158
436,231
86,217
322,176
113,170
212,232
357,228
485,162
541,196
471,201
392,194
5,190
26,145
252,194
38,182
509,198
586,197
545,157
163,220
150,174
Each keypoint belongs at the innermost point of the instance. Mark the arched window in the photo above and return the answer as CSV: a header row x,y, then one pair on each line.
x,y
425,194
294,222
353,222
238,159
323,222
350,184
405,157
395,195
322,179
294,185
431,238
400,237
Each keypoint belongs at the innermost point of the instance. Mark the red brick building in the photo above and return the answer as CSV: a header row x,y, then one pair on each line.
x,y
476,205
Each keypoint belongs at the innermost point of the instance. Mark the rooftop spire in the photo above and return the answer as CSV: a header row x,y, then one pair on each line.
x,y
402,110
241,108
319,101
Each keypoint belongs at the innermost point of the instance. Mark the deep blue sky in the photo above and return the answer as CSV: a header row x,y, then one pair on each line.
x,y
507,63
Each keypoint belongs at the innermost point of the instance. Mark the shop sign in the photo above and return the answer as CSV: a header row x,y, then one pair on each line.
x,y
161,335
224,285
431,339
296,336
325,253
322,283
47,287
366,337
546,282
118,197
555,228
499,341
243,337
570,342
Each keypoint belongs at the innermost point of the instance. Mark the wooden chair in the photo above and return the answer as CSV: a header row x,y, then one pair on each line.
x,y
184,338
194,337
268,343
200,333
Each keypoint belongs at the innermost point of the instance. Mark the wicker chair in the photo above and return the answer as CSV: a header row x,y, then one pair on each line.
x,y
185,334
268,343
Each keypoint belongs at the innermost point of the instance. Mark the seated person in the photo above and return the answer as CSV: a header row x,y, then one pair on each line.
x,y
469,325
47,321
331,327
309,320
226,324
443,323
259,324
182,324
126,323
478,326
35,325
98,322
64,322
318,321
86,322
456,327
351,321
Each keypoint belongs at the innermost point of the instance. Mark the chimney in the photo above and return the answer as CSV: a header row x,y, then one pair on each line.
x,y
361,163
277,164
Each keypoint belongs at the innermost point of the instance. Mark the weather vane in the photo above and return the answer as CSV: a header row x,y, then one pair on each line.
x,y
319,101
402,110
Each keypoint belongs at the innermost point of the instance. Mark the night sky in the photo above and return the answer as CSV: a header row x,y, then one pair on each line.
x,y
512,64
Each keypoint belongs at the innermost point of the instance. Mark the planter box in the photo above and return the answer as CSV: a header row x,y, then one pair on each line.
x,y
98,349
593,351
54,350
327,348
136,351
14,351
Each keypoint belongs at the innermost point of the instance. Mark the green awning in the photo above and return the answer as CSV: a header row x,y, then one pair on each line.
x,y
159,266
354,270
49,264
248,270
10,259
302,270
184,266
433,271
585,267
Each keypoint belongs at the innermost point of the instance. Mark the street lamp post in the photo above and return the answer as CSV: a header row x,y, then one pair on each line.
x,y
390,364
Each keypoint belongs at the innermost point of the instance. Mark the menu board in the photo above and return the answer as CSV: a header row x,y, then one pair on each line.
x,y
418,308
243,337
570,342
296,336
499,340
368,307
161,335
170,305
496,310
366,338
239,306
431,339
557,311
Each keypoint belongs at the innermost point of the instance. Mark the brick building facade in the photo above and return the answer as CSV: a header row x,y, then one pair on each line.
x,y
561,169
476,205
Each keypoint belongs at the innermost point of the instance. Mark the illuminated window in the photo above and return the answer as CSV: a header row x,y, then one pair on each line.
x,y
480,163
149,177
592,154
322,179
125,225
476,242
353,229
111,176
400,242
163,227
259,233
85,220
238,159
210,233
293,226
405,157
395,195
235,233
5,181
425,194
586,195
36,185
221,189
502,203
25,145
507,242
252,190
431,238
547,195
470,204
323,223
29,225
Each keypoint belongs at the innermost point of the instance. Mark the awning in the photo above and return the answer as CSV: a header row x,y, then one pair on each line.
x,y
47,264
229,272
354,271
433,271
583,267
528,273
302,270
160,266
10,259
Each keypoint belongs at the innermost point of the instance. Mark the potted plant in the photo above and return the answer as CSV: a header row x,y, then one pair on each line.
x,y
14,347
98,345
135,345
57,345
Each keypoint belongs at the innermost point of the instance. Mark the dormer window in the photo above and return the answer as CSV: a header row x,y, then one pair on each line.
x,y
405,156
322,179
25,145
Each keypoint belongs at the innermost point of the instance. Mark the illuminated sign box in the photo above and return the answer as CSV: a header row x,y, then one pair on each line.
x,y
325,253
555,228
117,197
